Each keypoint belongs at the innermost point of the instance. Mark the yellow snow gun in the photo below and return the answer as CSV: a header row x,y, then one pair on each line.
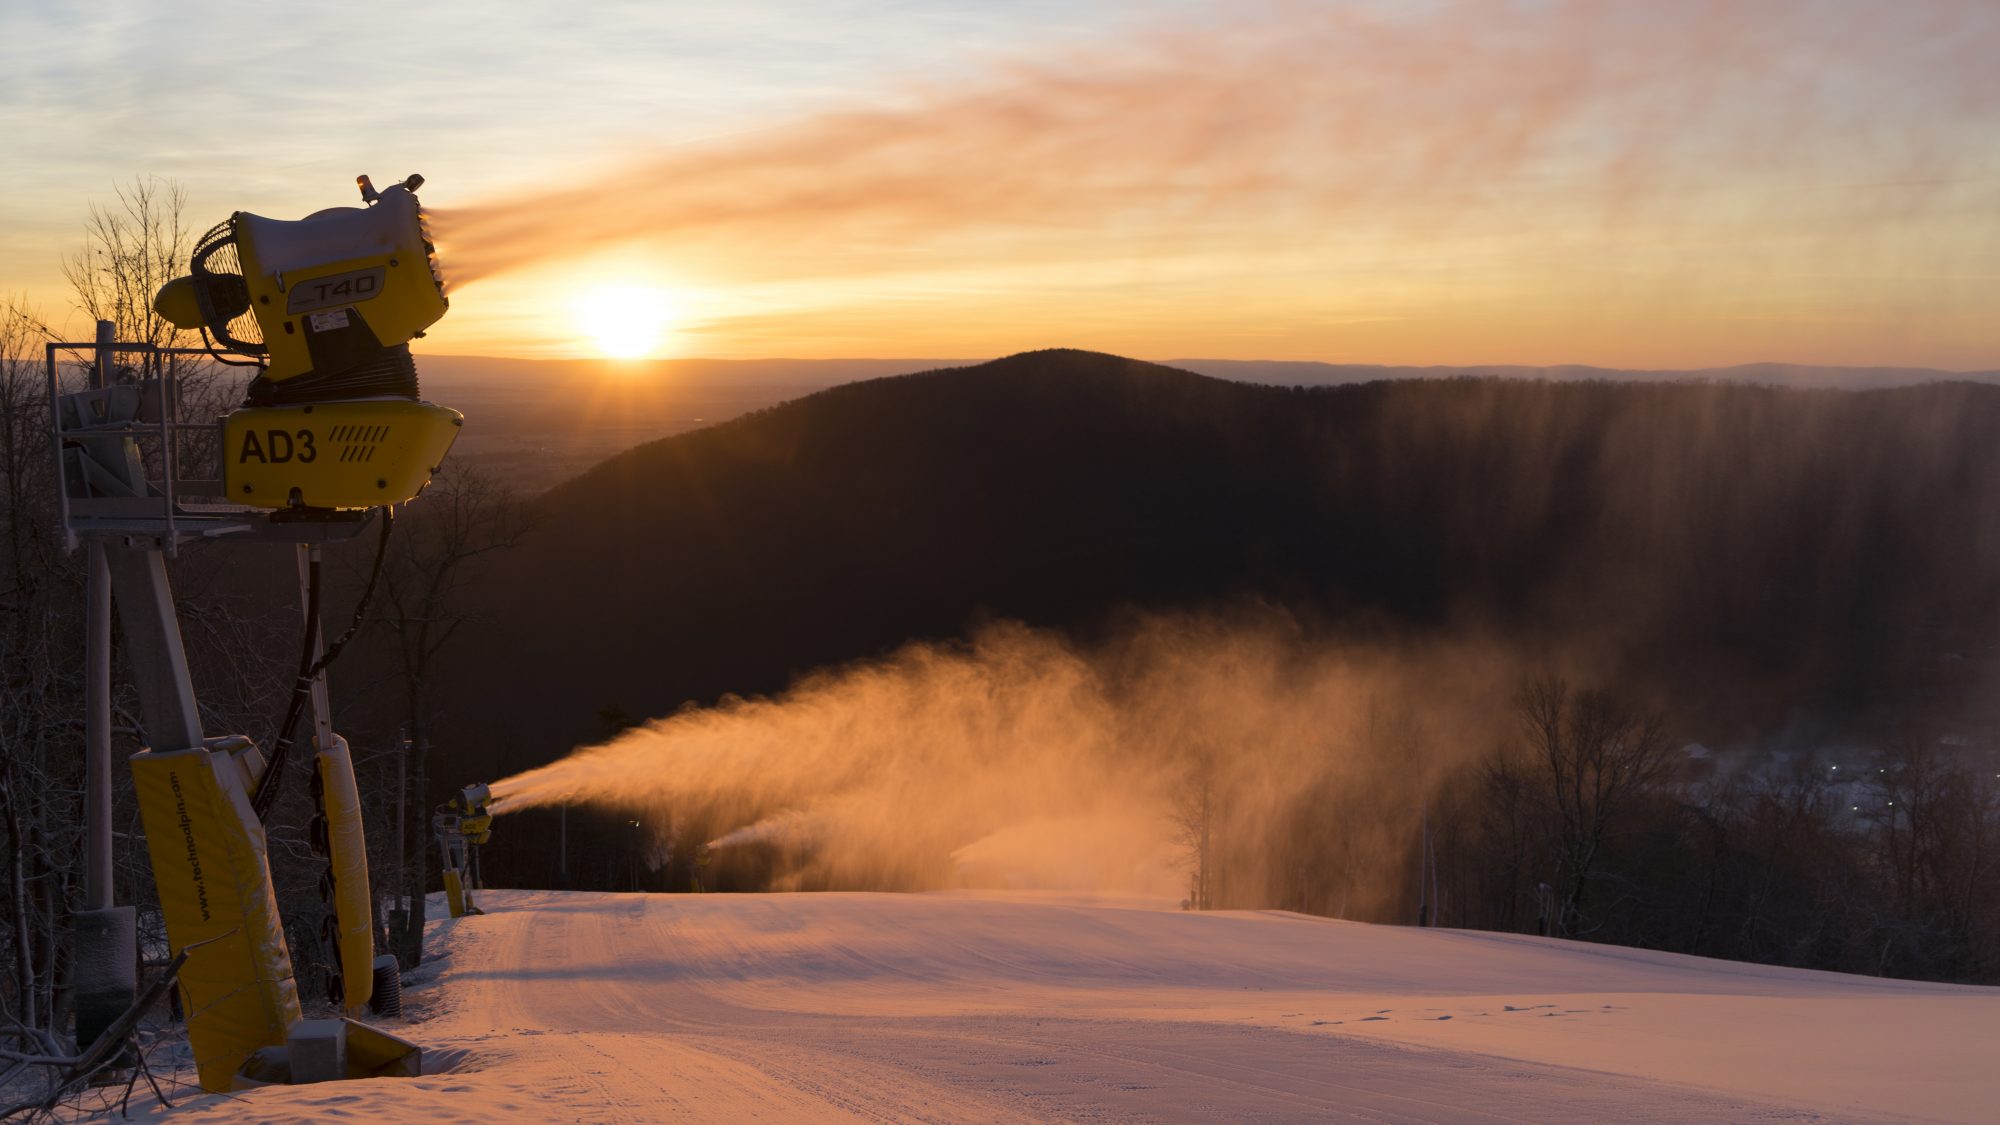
x,y
326,307
463,823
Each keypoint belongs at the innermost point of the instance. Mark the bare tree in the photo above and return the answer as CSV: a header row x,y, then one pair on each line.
x,y
1197,810
1507,821
1935,823
1593,755
24,448
129,252
40,681
132,249
441,548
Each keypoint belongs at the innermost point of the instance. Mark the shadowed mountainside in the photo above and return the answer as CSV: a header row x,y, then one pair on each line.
x,y
1749,551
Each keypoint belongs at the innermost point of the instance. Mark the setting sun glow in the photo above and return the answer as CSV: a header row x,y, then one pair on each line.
x,y
626,321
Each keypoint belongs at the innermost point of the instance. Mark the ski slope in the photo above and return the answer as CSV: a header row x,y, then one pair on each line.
x,y
989,1007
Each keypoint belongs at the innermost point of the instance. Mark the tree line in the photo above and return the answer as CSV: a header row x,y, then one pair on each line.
x,y
1586,820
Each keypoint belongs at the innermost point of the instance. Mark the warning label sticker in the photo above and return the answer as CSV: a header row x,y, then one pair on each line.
x,y
328,321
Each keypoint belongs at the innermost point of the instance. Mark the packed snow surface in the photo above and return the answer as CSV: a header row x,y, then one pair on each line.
x,y
991,1007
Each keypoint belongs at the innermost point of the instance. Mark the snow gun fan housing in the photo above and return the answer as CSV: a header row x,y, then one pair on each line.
x,y
326,306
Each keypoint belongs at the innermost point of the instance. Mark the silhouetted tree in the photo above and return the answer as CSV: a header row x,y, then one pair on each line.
x,y
441,545
1592,757
1197,813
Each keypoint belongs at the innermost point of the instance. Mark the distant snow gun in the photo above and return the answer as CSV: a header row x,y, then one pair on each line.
x,y
329,437
463,824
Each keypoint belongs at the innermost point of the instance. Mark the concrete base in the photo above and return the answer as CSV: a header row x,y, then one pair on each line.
x,y
107,969
318,1051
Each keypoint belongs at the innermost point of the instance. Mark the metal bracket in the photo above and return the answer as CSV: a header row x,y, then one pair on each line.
x,y
117,451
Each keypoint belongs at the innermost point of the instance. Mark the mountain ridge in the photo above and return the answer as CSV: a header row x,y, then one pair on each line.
x,y
1756,549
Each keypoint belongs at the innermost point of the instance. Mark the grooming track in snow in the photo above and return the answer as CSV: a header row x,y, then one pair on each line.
x,y
988,1007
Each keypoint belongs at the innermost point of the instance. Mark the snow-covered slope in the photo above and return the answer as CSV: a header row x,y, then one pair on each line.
x,y
961,1007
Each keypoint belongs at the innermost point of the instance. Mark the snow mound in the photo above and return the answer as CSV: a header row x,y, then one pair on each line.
x,y
982,1006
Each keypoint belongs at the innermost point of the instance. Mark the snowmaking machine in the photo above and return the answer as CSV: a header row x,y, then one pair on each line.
x,y
463,824
330,437
326,306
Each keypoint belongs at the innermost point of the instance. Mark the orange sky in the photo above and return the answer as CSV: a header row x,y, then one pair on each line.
x,y
1614,182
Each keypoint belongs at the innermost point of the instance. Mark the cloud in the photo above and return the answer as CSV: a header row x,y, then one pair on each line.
x,y
1555,125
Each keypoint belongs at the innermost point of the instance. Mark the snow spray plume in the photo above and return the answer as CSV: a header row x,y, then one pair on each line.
x,y
1561,122
1020,760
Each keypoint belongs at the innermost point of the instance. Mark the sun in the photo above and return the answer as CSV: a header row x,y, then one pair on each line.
x,y
626,320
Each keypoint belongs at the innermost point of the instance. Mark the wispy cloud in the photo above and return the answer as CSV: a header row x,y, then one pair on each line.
x,y
1614,181
274,108
1595,149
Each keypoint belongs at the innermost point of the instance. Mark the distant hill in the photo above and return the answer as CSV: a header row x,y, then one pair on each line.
x,y
1802,376
536,422
563,376
1754,550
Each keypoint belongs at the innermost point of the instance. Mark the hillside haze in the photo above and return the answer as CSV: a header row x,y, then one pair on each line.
x,y
539,422
1752,552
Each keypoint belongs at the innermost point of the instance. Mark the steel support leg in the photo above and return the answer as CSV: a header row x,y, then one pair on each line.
x,y
97,890
153,648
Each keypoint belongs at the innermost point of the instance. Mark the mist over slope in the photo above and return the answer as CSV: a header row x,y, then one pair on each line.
x,y
1753,550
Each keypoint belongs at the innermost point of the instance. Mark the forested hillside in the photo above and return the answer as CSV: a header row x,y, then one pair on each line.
x,y
1749,546
1761,569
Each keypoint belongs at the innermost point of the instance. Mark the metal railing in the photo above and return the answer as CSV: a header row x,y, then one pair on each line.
x,y
107,492
153,509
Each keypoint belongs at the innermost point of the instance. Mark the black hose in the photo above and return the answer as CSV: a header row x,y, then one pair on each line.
x,y
367,592
309,669
216,353
267,787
